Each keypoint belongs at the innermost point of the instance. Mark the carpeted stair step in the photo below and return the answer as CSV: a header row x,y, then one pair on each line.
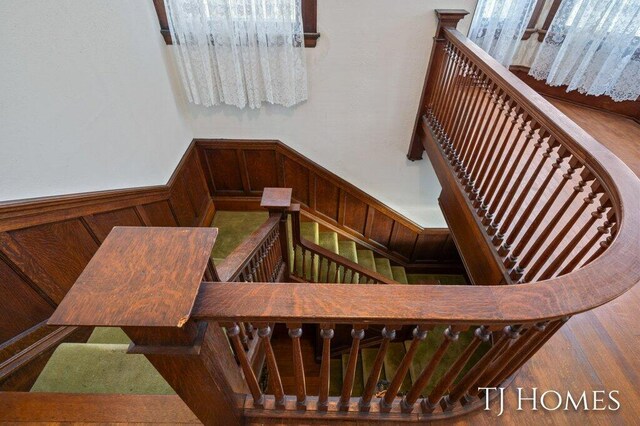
x,y
335,378
99,368
329,241
392,359
109,335
366,260
399,274
383,267
358,384
368,356
233,228
309,231
348,250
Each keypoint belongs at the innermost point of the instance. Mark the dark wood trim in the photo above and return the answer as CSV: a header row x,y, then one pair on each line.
x,y
629,109
30,352
324,197
535,15
20,407
309,20
542,32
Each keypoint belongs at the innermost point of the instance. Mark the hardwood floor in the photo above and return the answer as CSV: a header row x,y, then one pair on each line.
x,y
596,350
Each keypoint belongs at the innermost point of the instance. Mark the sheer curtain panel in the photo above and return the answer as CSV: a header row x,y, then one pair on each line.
x,y
498,26
239,52
593,46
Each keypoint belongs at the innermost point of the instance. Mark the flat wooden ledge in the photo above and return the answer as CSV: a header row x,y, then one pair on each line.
x,y
33,407
140,276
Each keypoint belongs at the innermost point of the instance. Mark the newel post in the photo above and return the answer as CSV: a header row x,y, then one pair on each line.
x,y
146,280
278,202
447,18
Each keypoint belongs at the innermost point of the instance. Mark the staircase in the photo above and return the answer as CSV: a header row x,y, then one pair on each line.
x,y
102,365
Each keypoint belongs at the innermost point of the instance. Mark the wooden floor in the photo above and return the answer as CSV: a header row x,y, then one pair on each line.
x,y
597,350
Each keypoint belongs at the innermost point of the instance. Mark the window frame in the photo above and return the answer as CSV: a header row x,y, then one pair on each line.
x,y
309,21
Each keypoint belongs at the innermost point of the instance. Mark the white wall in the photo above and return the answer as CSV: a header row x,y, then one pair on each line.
x,y
365,80
86,103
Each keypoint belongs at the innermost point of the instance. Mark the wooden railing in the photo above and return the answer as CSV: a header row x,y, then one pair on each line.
x,y
530,199
313,263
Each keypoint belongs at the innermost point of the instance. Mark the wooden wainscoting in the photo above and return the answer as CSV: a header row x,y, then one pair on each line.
x,y
238,170
45,244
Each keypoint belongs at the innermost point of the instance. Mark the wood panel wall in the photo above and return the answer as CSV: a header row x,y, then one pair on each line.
x,y
46,243
237,171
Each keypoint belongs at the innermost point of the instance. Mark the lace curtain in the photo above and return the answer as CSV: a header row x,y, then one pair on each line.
x,y
239,52
498,26
593,46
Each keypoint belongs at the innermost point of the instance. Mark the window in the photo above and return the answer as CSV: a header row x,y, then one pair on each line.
x,y
309,20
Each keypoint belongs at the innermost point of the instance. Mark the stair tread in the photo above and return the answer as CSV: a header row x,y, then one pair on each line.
x,y
392,359
329,240
310,231
348,249
99,368
366,259
443,279
335,377
368,358
108,335
383,267
233,228
399,274
358,385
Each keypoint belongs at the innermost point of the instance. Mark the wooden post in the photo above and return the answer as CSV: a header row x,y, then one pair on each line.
x,y
278,201
146,281
447,18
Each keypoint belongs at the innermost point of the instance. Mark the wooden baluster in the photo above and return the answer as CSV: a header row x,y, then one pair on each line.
x,y
505,359
549,331
473,118
460,390
526,211
243,336
462,115
388,334
600,231
419,334
434,107
492,197
526,343
606,243
450,336
469,153
440,108
233,331
336,273
485,139
270,259
357,334
264,333
586,177
461,84
304,264
325,367
472,121
605,203
295,332
481,335
491,160
260,271
507,200
448,101
512,259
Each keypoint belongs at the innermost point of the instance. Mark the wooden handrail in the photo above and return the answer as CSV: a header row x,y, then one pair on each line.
x,y
232,265
341,267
